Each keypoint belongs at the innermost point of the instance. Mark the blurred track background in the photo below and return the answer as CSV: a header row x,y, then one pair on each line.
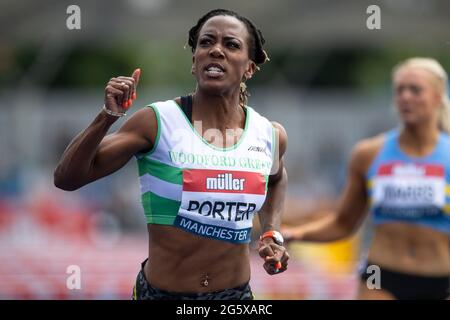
x,y
328,83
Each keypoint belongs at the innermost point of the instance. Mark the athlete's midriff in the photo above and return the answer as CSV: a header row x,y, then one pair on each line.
x,y
411,249
180,261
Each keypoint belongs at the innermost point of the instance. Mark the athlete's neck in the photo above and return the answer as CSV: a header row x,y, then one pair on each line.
x,y
419,140
218,111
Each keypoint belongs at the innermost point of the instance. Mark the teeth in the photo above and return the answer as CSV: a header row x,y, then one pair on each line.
x,y
214,69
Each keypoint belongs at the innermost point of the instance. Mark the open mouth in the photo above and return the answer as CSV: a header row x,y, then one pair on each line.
x,y
214,70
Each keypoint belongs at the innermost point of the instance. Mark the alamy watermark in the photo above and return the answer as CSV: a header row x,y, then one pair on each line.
x,y
73,21
73,281
373,21
374,280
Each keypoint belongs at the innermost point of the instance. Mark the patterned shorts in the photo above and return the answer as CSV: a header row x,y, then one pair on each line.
x,y
144,291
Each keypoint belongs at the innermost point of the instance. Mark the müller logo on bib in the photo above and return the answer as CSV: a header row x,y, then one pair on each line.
x,y
221,181
225,181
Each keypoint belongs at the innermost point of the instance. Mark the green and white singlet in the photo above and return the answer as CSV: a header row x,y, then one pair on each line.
x,y
203,189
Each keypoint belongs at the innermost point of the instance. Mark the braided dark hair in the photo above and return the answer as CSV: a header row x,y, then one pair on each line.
x,y
256,51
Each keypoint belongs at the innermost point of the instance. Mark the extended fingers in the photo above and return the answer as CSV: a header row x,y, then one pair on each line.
x,y
136,76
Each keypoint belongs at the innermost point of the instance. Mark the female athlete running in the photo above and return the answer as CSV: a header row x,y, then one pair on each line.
x,y
207,163
403,176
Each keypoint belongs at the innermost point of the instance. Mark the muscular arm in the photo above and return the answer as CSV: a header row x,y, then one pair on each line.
x,y
275,256
352,206
271,212
91,155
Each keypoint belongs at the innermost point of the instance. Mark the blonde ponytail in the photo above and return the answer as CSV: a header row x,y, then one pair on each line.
x,y
444,115
435,68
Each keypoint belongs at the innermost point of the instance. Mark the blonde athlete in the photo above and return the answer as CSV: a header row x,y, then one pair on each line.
x,y
403,178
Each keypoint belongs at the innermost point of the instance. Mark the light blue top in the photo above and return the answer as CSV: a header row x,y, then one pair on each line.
x,y
408,189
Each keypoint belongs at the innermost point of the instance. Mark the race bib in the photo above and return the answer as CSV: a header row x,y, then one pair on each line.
x,y
409,189
220,204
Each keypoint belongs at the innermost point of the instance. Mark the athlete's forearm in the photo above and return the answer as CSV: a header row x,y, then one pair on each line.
x,y
325,229
272,210
76,161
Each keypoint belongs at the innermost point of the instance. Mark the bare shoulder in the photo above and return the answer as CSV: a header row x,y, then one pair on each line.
x,y
365,151
282,137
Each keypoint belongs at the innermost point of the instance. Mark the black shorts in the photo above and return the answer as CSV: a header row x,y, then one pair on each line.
x,y
405,286
143,290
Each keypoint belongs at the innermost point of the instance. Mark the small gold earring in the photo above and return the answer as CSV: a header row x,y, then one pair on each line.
x,y
267,56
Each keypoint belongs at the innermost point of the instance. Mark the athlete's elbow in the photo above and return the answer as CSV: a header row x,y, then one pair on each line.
x,y
346,228
63,182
